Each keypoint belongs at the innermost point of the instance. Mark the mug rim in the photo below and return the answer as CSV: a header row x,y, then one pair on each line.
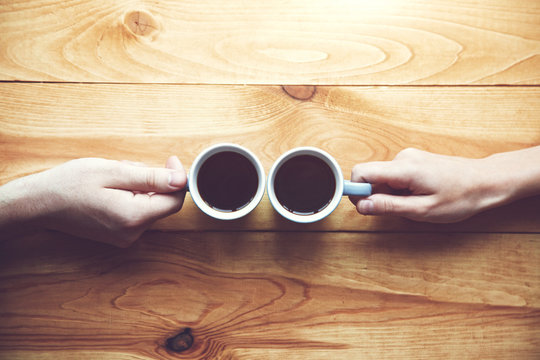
x,y
320,154
194,171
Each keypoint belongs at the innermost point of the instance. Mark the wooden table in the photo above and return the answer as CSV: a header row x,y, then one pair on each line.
x,y
364,79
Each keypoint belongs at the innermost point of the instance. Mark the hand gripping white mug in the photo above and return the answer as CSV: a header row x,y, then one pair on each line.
x,y
226,181
306,184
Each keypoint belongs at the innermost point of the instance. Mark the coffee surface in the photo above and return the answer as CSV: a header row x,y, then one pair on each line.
x,y
304,185
227,181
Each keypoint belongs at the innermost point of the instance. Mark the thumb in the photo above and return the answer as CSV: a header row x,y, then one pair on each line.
x,y
174,163
413,207
147,179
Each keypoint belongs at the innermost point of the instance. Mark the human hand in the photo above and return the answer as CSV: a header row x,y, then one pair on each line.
x,y
429,187
103,200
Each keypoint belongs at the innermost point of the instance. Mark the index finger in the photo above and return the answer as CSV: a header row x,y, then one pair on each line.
x,y
384,176
390,173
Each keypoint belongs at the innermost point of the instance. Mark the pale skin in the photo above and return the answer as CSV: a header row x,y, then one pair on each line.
x,y
422,186
115,202
103,200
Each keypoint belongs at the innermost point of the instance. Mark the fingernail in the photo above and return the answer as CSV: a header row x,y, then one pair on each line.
x,y
366,207
177,179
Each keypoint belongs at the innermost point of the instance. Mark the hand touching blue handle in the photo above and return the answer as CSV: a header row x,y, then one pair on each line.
x,y
356,189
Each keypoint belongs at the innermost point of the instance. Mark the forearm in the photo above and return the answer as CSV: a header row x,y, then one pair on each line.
x,y
22,206
515,174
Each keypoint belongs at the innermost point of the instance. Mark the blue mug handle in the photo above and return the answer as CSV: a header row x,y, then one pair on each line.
x,y
356,189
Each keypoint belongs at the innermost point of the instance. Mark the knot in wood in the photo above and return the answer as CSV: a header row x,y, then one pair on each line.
x,y
300,92
141,23
181,342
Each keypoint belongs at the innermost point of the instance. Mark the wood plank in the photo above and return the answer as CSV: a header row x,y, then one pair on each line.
x,y
42,125
272,42
272,296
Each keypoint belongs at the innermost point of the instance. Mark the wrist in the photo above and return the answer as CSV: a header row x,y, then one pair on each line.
x,y
23,204
522,171
491,184
509,177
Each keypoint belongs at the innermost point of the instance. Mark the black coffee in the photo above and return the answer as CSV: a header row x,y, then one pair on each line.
x,y
304,185
227,181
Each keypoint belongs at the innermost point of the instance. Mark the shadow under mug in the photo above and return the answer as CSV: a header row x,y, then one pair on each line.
x,y
226,181
306,184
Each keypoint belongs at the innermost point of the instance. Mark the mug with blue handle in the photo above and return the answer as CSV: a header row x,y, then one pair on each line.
x,y
306,184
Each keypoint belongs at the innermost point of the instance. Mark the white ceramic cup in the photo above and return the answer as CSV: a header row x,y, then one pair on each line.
x,y
227,182
341,188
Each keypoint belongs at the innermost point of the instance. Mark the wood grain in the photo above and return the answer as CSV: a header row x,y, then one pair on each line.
x,y
270,295
272,42
42,125
348,287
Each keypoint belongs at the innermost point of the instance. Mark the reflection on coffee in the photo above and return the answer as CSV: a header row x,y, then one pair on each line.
x,y
304,185
227,181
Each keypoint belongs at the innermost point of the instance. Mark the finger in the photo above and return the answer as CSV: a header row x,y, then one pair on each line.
x,y
385,177
135,192
162,205
134,163
414,207
147,179
394,174
377,189
131,214
174,163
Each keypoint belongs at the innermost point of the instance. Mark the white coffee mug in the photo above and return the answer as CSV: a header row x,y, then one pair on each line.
x,y
306,184
226,181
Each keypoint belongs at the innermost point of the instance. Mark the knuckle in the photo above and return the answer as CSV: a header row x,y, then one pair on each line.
x,y
387,206
424,211
125,224
421,212
355,173
127,233
407,153
151,179
129,218
133,221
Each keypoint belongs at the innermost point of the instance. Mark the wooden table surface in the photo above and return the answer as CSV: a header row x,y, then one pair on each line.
x,y
141,80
